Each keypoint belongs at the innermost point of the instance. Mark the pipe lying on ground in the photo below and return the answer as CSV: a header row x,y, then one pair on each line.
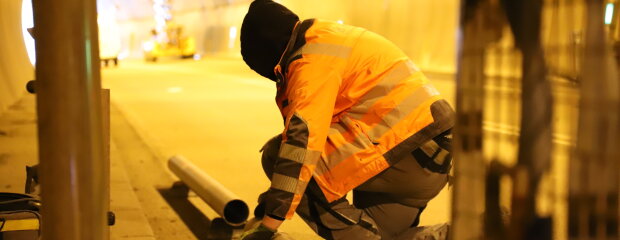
x,y
228,205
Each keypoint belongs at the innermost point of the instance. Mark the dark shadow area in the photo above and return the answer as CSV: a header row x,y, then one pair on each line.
x,y
201,226
220,230
194,219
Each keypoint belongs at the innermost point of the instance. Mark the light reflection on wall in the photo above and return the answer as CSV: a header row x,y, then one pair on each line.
x,y
28,22
232,35
609,13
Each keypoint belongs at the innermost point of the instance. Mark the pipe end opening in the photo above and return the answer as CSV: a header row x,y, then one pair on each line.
x,y
236,212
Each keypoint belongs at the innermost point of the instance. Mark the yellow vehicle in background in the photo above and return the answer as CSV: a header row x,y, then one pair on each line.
x,y
169,43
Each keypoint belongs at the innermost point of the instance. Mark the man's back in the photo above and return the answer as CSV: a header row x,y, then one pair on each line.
x,y
358,115
374,95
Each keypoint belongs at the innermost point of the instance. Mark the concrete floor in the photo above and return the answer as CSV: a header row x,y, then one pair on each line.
x,y
217,113
18,144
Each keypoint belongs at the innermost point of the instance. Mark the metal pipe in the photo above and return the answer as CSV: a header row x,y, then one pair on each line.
x,y
69,120
234,210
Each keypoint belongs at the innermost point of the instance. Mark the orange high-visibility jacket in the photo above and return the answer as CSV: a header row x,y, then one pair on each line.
x,y
353,103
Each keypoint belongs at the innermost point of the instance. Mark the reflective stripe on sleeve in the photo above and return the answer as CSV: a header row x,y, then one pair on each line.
x,y
284,183
293,153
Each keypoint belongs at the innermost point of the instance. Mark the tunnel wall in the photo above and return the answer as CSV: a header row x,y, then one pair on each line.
x,y
15,68
426,30
428,38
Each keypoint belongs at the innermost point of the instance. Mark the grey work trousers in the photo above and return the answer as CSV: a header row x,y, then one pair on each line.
x,y
385,207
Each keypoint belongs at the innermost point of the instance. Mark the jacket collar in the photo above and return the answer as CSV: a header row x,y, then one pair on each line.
x,y
296,41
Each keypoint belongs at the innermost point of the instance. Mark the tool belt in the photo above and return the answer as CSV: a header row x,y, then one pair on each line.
x,y
435,155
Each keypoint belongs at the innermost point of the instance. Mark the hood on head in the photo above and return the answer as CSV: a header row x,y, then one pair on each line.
x,y
265,32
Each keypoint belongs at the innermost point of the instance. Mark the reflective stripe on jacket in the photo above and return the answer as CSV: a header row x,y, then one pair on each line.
x,y
352,103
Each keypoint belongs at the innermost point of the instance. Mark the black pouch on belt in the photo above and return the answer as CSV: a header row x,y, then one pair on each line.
x,y
435,155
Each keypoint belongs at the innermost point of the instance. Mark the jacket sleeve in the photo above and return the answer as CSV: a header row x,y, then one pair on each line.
x,y
311,89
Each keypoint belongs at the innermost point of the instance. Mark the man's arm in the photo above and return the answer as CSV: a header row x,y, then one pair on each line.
x,y
271,223
312,90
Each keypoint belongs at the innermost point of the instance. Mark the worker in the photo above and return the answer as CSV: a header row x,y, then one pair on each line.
x,y
359,117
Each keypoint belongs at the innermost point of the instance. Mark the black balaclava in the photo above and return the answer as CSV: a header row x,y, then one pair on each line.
x,y
266,30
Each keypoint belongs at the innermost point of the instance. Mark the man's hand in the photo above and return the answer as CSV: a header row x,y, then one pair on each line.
x,y
262,221
271,223
259,232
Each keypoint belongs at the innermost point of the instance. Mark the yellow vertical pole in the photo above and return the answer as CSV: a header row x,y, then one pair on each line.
x,y
105,118
69,120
